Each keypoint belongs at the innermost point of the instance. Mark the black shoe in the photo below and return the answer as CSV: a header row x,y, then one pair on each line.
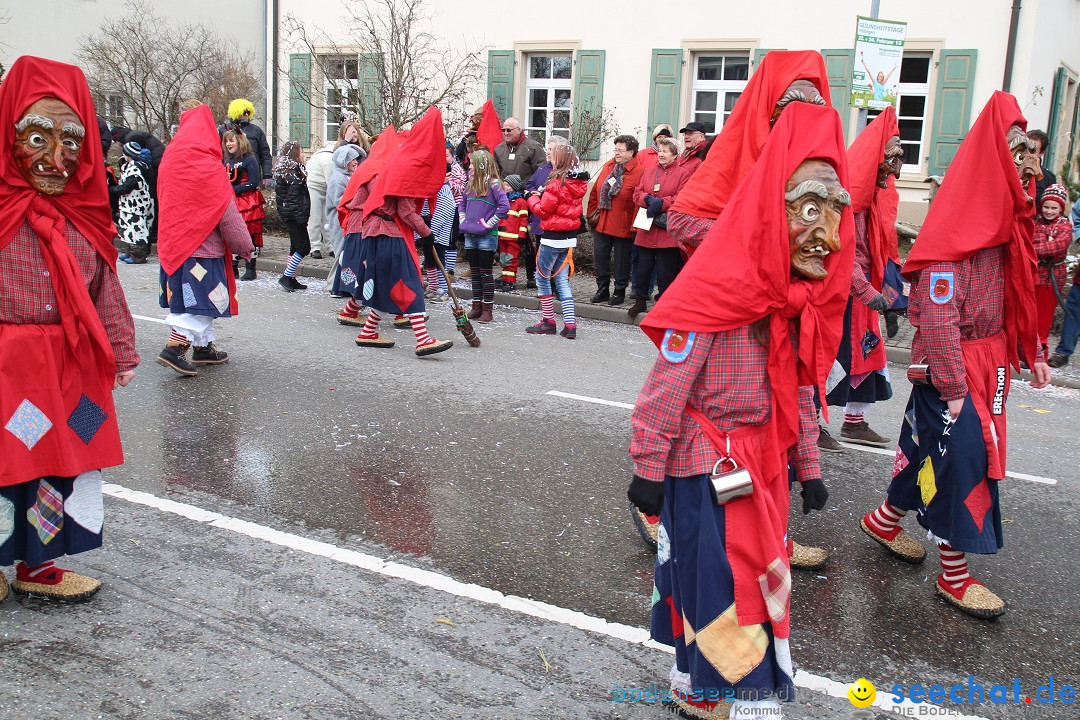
x,y
570,333
891,325
316,255
637,308
173,356
249,270
1057,360
602,295
339,294
209,355
618,298
530,284
290,284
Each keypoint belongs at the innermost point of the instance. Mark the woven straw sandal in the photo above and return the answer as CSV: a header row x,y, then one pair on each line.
x,y
647,530
902,547
375,342
4,592
357,321
684,709
805,557
72,587
972,598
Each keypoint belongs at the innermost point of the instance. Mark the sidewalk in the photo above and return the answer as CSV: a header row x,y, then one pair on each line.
x,y
583,285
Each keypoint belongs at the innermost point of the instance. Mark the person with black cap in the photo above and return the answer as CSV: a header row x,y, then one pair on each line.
x,y
135,205
694,147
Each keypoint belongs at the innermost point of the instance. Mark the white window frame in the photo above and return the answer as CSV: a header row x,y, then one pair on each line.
x,y
541,134
721,87
111,103
920,90
349,88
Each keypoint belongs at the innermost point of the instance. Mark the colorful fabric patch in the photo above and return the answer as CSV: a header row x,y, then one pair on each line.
x,y
909,418
369,289
775,584
348,277
677,345
869,343
198,272
220,297
86,505
890,294
655,595
733,650
402,295
86,419
942,287
927,481
900,462
47,512
836,374
663,545
28,424
189,296
977,503
7,521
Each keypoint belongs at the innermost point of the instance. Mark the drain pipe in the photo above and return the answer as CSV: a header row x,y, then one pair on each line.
x,y
1010,51
276,19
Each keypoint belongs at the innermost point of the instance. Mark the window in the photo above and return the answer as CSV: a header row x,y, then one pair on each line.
x,y
547,96
113,110
912,94
718,82
341,90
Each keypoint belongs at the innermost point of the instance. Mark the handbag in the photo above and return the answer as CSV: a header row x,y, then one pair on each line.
x,y
660,220
594,219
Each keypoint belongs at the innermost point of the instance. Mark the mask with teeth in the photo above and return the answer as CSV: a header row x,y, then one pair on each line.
x,y
891,162
1025,155
815,203
48,141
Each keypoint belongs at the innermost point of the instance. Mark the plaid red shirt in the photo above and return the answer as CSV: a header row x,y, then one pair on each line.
x,y
1052,241
861,289
976,311
725,376
231,232
381,222
27,296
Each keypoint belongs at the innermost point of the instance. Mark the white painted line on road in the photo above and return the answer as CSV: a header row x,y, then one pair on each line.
x,y
850,446
445,583
150,319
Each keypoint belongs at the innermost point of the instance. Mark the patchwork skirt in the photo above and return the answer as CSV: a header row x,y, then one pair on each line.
x,y
381,273
198,287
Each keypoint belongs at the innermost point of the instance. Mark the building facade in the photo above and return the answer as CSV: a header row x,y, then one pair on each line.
x,y
549,64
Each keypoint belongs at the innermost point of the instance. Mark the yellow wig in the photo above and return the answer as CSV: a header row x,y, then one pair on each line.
x,y
238,106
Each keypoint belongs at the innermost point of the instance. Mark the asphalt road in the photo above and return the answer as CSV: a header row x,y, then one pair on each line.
x,y
463,464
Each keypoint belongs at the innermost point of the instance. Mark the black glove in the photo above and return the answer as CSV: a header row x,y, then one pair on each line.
x,y
814,495
878,304
647,496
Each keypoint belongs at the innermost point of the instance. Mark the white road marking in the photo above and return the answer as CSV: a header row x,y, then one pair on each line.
x,y
850,446
447,584
149,319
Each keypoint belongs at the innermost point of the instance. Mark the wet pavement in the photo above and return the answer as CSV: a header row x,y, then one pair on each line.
x,y
462,463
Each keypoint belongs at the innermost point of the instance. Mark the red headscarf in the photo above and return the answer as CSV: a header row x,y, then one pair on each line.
x,y
84,203
387,144
490,131
193,189
743,273
864,157
982,205
740,141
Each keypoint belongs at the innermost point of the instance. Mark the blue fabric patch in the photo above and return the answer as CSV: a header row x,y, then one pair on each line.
x,y
29,424
677,345
189,296
86,419
942,287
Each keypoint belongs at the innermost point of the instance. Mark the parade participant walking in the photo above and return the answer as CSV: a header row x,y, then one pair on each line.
x,y
243,173
294,206
611,212
135,204
972,304
386,265
513,233
201,228
558,206
481,209
747,322
1051,239
67,339
874,160
782,78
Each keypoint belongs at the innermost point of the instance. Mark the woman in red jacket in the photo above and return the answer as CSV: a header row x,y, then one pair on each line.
x,y
656,248
558,205
611,214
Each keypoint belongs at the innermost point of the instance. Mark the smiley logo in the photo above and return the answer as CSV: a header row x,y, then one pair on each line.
x,y
862,693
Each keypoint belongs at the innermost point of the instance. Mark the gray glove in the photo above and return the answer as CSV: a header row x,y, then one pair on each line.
x,y
878,304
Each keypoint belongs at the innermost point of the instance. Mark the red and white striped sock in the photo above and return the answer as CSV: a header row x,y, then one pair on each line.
x,y
419,328
954,567
352,308
175,337
371,325
432,279
885,521
547,304
852,418
33,572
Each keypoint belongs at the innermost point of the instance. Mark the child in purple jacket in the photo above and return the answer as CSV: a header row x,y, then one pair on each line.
x,y
481,208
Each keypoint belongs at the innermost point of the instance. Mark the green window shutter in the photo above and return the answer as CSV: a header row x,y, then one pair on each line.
x,y
500,86
1071,156
760,54
838,69
588,99
665,90
299,98
952,106
1053,126
370,110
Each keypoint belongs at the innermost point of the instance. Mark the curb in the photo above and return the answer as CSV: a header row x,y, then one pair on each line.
x,y
893,353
